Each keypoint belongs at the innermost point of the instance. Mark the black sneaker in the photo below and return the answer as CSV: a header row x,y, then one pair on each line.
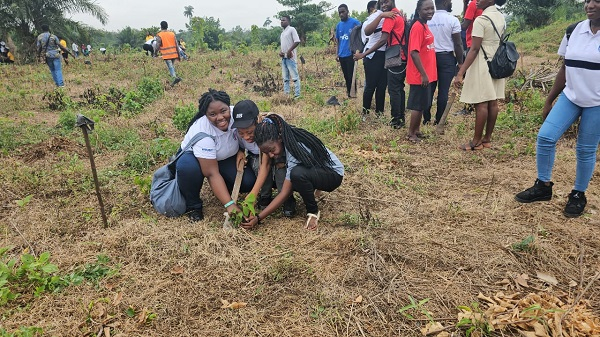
x,y
397,123
195,215
538,192
289,207
575,205
175,81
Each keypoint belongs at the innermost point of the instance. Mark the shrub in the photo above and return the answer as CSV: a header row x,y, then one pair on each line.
x,y
183,115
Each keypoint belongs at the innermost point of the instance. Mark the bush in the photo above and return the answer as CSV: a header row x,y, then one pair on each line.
x,y
183,115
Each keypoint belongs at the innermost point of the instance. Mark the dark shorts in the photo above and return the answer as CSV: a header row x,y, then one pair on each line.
x,y
419,97
65,55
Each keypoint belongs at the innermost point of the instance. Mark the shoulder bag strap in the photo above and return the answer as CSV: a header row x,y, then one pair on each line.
x,y
496,30
193,141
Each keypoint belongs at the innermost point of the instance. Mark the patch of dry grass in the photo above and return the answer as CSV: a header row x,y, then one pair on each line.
x,y
426,220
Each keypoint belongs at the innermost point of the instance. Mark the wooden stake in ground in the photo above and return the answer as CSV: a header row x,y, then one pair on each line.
x,y
235,192
353,87
439,129
86,125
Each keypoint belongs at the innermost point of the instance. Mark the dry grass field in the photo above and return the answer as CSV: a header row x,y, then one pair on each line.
x,y
417,233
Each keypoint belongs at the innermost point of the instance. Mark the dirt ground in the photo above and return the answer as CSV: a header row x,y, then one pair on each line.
x,y
423,221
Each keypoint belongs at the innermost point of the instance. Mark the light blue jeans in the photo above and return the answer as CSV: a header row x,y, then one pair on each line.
x,y
55,65
289,68
561,117
171,68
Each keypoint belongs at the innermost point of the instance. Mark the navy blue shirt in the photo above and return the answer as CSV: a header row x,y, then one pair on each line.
x,y
342,34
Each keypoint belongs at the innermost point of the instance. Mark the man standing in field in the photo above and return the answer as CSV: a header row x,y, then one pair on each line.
x,y
49,46
75,49
289,68
166,42
342,37
448,52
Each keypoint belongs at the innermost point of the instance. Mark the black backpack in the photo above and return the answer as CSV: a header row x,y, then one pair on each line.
x,y
570,30
356,41
504,62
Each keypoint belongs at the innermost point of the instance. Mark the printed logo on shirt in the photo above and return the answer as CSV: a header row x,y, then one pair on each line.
x,y
344,37
208,150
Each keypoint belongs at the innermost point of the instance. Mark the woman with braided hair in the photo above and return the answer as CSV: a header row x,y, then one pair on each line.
x,y
310,166
214,157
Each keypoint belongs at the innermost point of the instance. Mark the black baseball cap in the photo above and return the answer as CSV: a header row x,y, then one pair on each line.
x,y
244,114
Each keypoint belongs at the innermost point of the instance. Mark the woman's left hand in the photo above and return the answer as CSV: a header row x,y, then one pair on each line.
x,y
458,81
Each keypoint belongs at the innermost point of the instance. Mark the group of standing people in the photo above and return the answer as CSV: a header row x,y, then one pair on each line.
x,y
432,56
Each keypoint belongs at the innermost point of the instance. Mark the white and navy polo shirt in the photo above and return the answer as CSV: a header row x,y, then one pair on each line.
x,y
442,25
224,145
582,65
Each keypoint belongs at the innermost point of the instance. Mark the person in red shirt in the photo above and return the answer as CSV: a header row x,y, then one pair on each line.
x,y
391,33
421,70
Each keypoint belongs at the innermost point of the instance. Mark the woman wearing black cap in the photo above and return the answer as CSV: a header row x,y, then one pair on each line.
x,y
267,170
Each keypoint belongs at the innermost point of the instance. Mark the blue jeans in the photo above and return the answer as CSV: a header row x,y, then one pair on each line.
x,y
190,178
289,68
171,67
561,117
55,65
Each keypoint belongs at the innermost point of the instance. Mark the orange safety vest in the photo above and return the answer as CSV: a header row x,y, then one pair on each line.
x,y
168,46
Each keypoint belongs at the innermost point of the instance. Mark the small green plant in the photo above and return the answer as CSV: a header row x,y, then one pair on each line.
x,y
247,206
525,245
474,321
93,272
30,274
23,202
317,311
23,331
414,308
144,183
58,100
66,120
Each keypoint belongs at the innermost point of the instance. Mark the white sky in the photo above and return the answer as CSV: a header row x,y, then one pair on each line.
x,y
146,13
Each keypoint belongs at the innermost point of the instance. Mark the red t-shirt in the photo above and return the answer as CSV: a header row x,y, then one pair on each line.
x,y
421,40
397,26
470,14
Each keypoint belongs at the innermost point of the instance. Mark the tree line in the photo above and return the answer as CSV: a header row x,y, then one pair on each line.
x,y
21,20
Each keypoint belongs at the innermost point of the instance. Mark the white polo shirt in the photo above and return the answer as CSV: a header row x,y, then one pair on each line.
x,y
582,61
288,37
442,25
224,146
373,38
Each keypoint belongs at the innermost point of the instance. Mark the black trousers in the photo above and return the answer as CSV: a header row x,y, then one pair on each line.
x,y
306,180
347,64
395,82
375,82
446,70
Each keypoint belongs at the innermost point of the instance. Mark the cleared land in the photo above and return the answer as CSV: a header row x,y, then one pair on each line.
x,y
426,221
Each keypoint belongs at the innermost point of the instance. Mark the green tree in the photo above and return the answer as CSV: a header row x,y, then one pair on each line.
x,y
23,19
131,36
306,17
188,11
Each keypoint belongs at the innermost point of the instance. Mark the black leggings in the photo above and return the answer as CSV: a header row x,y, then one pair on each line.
x,y
347,64
306,180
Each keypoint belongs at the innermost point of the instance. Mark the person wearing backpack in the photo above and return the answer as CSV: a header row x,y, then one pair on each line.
x,y
479,87
342,38
49,49
421,70
375,72
578,91
392,33
214,157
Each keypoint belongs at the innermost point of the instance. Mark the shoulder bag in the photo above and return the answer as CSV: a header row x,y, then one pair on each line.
x,y
165,195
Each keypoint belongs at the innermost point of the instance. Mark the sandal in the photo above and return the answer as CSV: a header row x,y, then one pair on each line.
x,y
320,196
311,216
471,147
487,144
414,139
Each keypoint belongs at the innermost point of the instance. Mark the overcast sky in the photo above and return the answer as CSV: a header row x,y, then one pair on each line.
x,y
245,13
